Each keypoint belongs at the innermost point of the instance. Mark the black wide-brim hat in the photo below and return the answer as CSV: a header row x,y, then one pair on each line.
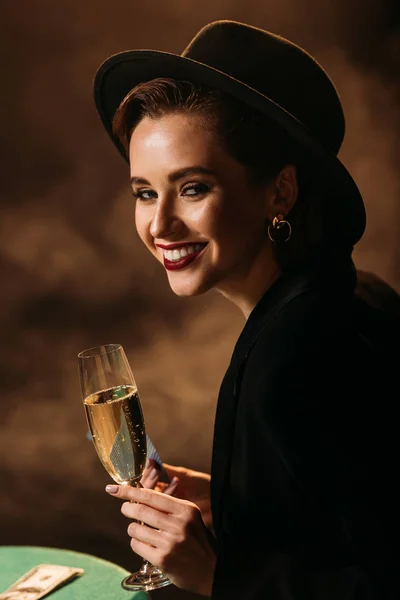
x,y
268,73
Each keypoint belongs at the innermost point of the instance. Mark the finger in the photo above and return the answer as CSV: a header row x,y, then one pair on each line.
x,y
150,465
150,477
149,516
160,486
157,500
144,534
146,551
171,488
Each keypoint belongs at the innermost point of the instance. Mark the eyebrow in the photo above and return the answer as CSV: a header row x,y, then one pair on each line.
x,y
176,175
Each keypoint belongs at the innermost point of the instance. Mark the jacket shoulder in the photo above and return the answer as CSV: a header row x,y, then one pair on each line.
x,y
309,319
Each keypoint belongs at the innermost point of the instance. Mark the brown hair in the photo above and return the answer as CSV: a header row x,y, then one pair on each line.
x,y
248,136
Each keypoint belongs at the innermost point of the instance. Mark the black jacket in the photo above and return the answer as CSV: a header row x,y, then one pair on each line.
x,y
306,452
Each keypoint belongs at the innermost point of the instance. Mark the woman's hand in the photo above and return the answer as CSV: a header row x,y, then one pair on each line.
x,y
151,479
172,537
185,484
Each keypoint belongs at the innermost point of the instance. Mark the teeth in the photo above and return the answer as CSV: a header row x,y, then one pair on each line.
x,y
174,255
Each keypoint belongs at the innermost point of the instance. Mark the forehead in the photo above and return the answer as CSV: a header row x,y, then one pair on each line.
x,y
176,137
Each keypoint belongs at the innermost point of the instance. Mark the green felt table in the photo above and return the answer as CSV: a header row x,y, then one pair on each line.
x,y
101,580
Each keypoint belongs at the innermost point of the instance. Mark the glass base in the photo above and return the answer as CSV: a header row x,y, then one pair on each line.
x,y
148,578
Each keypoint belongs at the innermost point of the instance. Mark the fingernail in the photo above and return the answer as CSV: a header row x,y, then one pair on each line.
x,y
173,484
153,473
148,463
112,489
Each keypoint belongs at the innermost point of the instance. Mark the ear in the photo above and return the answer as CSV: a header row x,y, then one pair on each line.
x,y
283,192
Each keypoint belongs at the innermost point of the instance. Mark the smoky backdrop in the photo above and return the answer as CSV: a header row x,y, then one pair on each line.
x,y
74,273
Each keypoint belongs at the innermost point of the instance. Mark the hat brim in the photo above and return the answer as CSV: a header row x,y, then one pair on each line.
x,y
120,73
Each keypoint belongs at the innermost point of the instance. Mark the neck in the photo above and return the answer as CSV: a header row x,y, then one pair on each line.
x,y
246,289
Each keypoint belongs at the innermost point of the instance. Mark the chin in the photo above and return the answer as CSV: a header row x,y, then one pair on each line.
x,y
189,289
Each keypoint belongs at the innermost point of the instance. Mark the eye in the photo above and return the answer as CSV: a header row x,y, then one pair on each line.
x,y
144,194
195,189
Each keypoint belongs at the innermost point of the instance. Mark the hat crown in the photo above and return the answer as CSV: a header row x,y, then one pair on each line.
x,y
277,69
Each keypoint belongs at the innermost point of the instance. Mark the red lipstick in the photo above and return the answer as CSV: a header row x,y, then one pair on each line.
x,y
178,245
183,262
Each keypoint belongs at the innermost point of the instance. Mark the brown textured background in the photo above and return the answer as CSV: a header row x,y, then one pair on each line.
x,y
74,273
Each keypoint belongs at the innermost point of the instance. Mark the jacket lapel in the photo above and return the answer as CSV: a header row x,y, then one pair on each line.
x,y
282,292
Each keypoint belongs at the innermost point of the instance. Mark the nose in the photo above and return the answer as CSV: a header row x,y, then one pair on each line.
x,y
164,220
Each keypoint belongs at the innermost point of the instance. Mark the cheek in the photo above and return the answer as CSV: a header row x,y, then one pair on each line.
x,y
239,234
142,225
218,218
235,224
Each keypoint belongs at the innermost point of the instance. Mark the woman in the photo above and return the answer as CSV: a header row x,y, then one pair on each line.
x,y
232,149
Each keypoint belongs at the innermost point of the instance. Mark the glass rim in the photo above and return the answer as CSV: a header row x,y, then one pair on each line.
x,y
100,350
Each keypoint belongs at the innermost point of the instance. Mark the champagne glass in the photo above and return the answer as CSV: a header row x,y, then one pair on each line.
x,y
115,419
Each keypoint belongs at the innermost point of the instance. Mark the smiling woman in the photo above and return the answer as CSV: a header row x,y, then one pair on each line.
x,y
233,149
199,208
224,159
246,135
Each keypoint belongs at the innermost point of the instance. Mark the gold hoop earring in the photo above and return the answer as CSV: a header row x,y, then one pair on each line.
x,y
280,230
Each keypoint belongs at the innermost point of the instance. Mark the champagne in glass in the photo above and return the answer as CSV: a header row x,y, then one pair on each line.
x,y
116,424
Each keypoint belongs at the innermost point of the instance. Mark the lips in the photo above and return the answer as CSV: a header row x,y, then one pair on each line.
x,y
183,262
178,245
